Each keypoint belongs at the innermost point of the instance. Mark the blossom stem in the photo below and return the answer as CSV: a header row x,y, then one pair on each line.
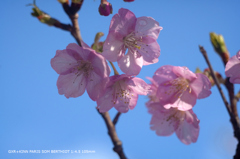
x,y
234,119
115,120
115,70
113,135
73,15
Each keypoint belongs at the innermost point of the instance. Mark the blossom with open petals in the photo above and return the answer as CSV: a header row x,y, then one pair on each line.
x,y
232,69
121,92
79,68
138,36
167,121
178,87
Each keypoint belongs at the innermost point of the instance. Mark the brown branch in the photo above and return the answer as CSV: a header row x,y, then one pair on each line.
x,y
204,53
73,15
113,135
66,27
234,119
115,120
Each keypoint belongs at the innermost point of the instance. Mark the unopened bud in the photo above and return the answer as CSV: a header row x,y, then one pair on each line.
x,y
42,16
128,0
217,74
63,1
220,46
77,1
105,8
98,46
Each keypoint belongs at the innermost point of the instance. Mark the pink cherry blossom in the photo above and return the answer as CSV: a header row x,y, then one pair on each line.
x,y
121,92
167,121
79,68
138,36
232,69
178,87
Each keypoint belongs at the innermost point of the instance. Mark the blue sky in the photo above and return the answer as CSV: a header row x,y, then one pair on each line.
x,y
34,116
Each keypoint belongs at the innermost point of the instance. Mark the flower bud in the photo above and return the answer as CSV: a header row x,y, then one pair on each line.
x,y
98,46
128,0
217,74
63,1
42,16
220,46
105,8
77,1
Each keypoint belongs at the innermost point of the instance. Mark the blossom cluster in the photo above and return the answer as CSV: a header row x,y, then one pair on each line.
x,y
132,43
174,91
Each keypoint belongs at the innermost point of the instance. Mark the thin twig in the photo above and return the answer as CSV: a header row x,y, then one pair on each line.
x,y
114,69
234,119
115,120
73,15
113,135
202,50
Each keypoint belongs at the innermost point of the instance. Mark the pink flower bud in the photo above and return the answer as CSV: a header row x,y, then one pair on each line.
x,y
105,8
128,0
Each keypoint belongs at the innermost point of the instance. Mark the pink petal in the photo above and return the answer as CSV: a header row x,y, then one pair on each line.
x,y
71,85
63,62
187,131
100,65
201,86
184,72
150,53
232,69
105,101
147,26
75,49
185,102
123,107
130,64
113,48
164,74
140,86
93,89
123,22
160,122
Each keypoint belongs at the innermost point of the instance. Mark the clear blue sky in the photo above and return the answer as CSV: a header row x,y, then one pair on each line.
x,y
34,116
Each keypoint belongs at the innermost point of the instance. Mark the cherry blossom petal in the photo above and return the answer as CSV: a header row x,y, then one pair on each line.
x,y
105,102
63,62
123,107
113,48
93,89
124,22
232,69
188,132
140,86
100,65
160,122
201,86
164,74
147,26
184,72
150,53
184,103
130,65
71,85
75,50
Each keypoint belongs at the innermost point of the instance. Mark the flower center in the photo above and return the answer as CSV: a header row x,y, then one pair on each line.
x,y
121,94
178,86
82,67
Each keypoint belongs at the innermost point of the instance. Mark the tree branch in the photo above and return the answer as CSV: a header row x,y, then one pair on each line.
x,y
113,135
73,15
115,120
232,109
